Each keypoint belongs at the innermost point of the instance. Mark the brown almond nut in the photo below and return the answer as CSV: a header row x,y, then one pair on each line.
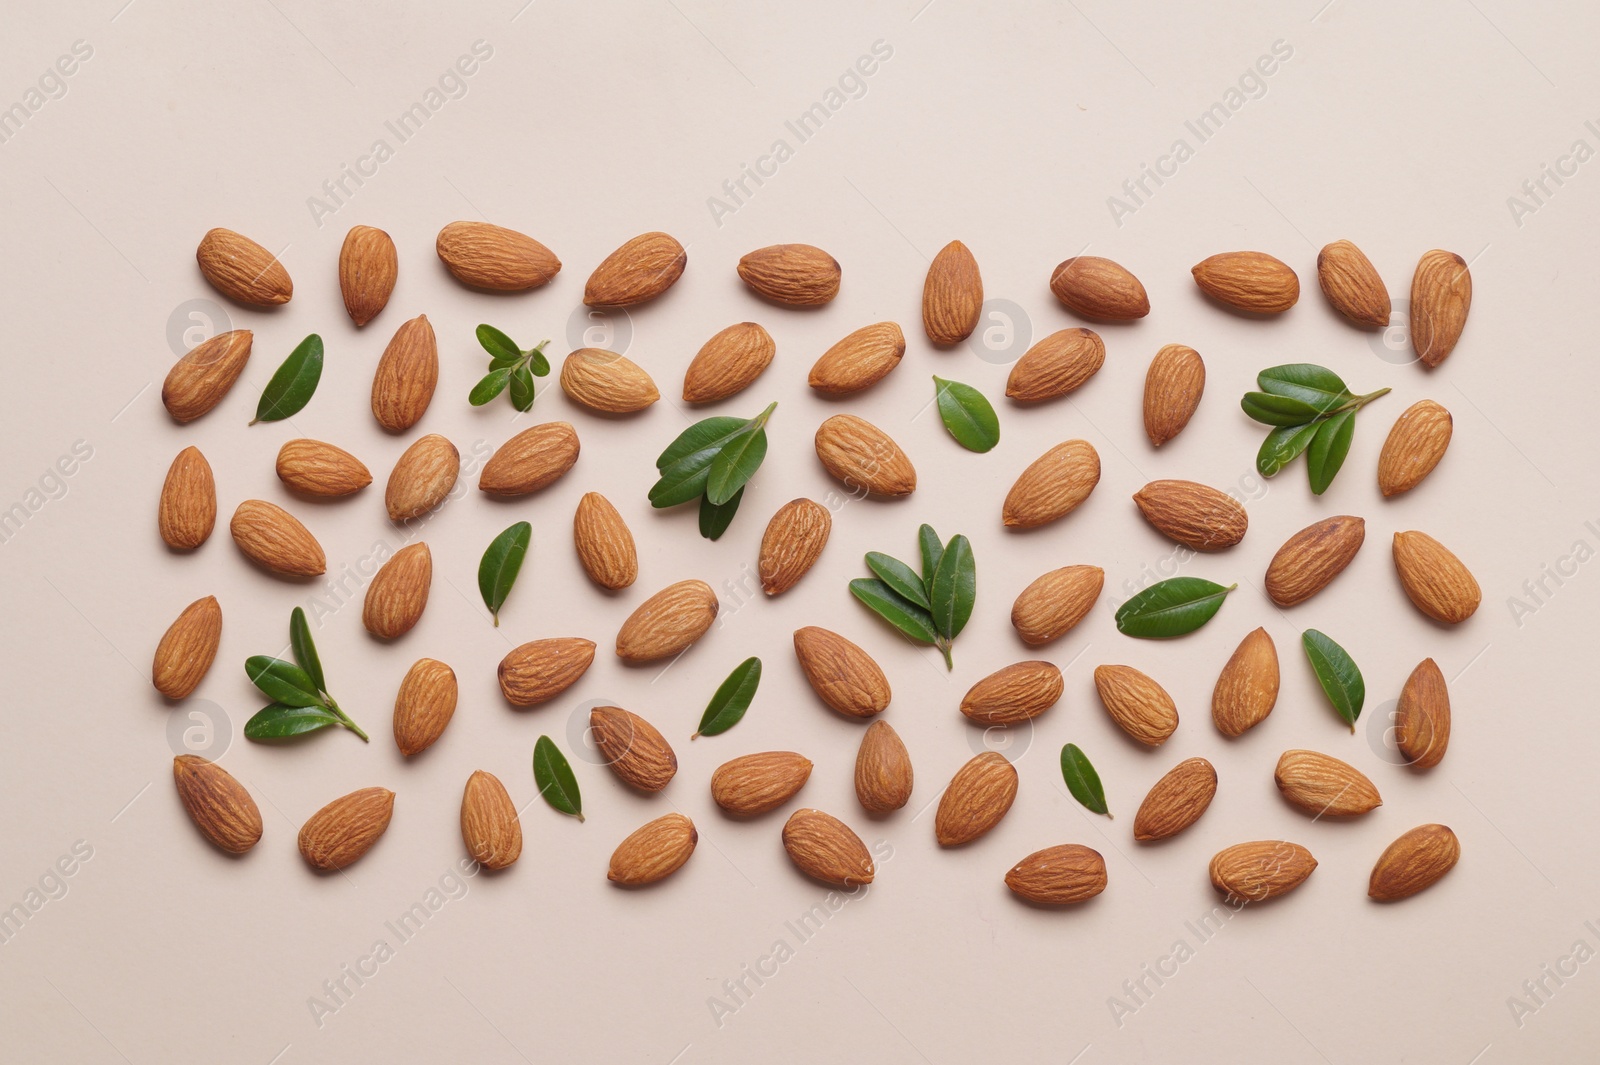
x,y
668,622
728,363
862,456
1099,288
1434,579
243,270
540,670
1053,486
631,746
403,385
859,361
637,272
1176,801
952,295
843,675
275,539
1313,557
187,649
531,460
1247,687
1413,863
489,824
313,468
1441,295
198,381
398,593
1172,389
796,275
1195,515
826,849
1414,446
1059,876
979,795
1250,281
1140,707
1056,365
188,509
1422,716
368,267
653,852
1352,284
490,257
605,546
424,706
1324,786
422,477
1261,870
1019,692
1053,604
345,829
792,544
606,382
218,804
757,783
883,770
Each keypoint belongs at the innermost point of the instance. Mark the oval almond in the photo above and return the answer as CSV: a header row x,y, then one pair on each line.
x,y
1414,446
187,649
1413,863
979,795
639,271
494,258
826,849
275,539
884,777
1048,608
1324,786
198,381
757,783
668,622
1250,281
398,593
424,705
1422,716
653,852
218,804
632,747
1434,579
1060,363
531,460
243,270
188,509
797,275
863,456
1441,295
1099,288
1140,707
422,477
1019,692
1176,801
1247,688
1313,557
344,830
859,361
406,376
313,468
728,363
1059,876
540,670
843,675
1192,514
607,382
1172,389
952,295
1261,870
489,824
605,546
368,267
1054,485
792,544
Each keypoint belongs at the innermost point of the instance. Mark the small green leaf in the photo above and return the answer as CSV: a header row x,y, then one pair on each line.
x,y
553,774
305,651
703,434
1283,445
967,414
521,387
932,549
282,682
683,480
493,383
906,616
1082,780
1171,607
899,577
537,363
731,700
716,517
280,721
1277,410
1316,386
1328,450
502,560
1337,673
497,343
954,588
293,384
735,464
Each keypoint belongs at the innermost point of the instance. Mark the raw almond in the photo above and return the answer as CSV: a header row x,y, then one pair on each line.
x,y
1176,801
978,797
668,622
188,509
757,783
842,674
952,295
859,361
313,468
1056,365
493,258
1058,876
883,770
243,270
1019,692
637,272
604,544
1414,862
1414,447
1422,716
398,593
187,649
198,381
274,538
862,456
540,670
797,275
1261,870
368,267
424,706
1172,389
1247,687
422,478
219,805
728,363
489,824
606,382
824,848
792,544
636,752
1053,604
1352,284
345,829
403,385
1099,288
1312,557
1140,707
1250,281
1435,579
1325,786
1441,295
529,461
653,852
1195,515
1053,486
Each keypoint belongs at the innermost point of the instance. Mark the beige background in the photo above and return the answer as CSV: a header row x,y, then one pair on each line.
x,y
1402,127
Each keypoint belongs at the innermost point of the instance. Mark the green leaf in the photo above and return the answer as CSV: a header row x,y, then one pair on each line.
x,y
553,774
716,517
1317,386
901,578
1283,445
502,560
967,414
954,588
282,682
906,616
731,700
703,434
932,549
280,721
1337,673
1277,410
504,363
1328,450
497,343
1082,780
537,363
521,387
493,383
305,651
683,480
293,384
735,464
1171,607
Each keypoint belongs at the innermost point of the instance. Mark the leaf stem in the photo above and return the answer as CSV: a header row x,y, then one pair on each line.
x,y
344,718
760,420
1357,402
944,646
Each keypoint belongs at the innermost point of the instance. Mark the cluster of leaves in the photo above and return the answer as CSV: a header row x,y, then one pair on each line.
x,y
293,383
1173,607
712,461
1082,780
1310,410
732,699
553,774
501,562
1338,674
931,608
300,700
967,414
509,365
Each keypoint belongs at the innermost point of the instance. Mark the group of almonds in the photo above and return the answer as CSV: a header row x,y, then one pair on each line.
x,y
843,675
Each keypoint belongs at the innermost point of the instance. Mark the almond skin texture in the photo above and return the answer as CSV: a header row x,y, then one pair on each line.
x,y
198,381
495,259
368,267
1414,862
824,848
1051,488
979,795
637,272
489,824
422,477
605,546
859,361
243,270
1313,557
403,385
1048,608
424,706
1422,716
952,296
1172,389
540,670
1435,579
636,752
218,804
1441,295
1176,801
757,783
1247,688
883,770
1250,281
1324,786
1261,870
1099,288
1352,284
668,622
653,852
1059,876
796,275
1140,707
1019,692
531,460
863,457
345,829
792,544
728,363
275,539
1195,515
187,649
1056,365
842,674
188,509
322,471
606,382
398,593
1415,444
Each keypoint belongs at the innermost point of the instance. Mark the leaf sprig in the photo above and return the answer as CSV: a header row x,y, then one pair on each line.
x,y
1311,410
1173,607
732,699
553,774
501,562
967,414
299,693
1338,674
1082,780
932,607
712,460
508,365
293,383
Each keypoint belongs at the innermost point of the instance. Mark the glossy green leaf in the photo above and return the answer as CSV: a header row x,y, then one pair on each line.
x,y
504,363
1283,445
1328,450
282,682
553,775
538,365
731,700
716,517
703,434
280,721
1316,386
900,577
932,549
501,562
683,480
1171,607
293,384
305,651
954,588
1336,671
492,384
906,616
967,414
1082,780
522,392
736,462
1268,409
497,343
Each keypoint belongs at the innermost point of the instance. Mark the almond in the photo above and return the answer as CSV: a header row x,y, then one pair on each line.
x,y
1099,288
859,361
667,623
313,468
842,674
1312,557
422,478
489,824
1415,444
345,829
243,270
1058,876
1247,687
187,649
1195,515
198,381
1441,295
637,272
757,783
604,544
1352,284
1422,716
1176,801
493,258
1019,692
636,752
219,805
188,509
398,593
1251,281
728,363
862,456
1056,365
530,460
403,385
1414,862
792,544
1140,707
797,275
952,295
978,797
424,706
368,267
606,382
1435,579
1172,389
824,848
1053,604
1324,786
653,852
540,670
1053,486
883,770
274,538
1261,870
